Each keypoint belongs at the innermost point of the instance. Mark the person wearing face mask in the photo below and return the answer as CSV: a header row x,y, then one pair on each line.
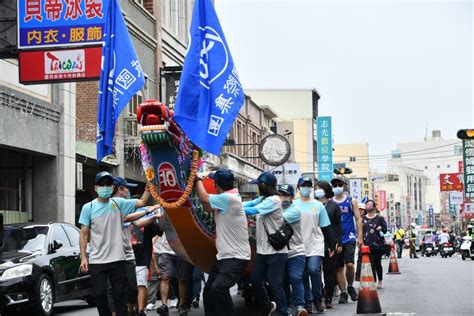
x,y
314,223
323,192
269,263
372,225
351,237
100,221
296,255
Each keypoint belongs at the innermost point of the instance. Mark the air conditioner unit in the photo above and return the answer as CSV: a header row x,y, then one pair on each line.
x,y
79,182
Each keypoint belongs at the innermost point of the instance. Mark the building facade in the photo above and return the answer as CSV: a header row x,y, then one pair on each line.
x,y
297,111
354,156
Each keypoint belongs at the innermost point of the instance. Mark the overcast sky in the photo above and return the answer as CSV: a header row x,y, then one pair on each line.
x,y
383,68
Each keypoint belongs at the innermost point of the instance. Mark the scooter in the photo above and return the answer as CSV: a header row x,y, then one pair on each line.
x,y
446,250
466,248
436,248
428,250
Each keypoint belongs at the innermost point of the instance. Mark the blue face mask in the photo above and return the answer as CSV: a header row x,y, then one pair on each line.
x,y
105,192
305,191
285,204
337,190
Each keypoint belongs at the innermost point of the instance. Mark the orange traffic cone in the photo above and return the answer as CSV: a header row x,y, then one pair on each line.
x,y
368,302
393,266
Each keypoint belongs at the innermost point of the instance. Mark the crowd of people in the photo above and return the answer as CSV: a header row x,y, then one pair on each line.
x,y
131,262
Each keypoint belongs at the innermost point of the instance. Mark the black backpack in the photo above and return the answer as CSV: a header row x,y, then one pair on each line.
x,y
281,237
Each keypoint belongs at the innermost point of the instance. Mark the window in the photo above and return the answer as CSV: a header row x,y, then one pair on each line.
x,y
457,150
130,120
59,234
73,235
426,167
448,166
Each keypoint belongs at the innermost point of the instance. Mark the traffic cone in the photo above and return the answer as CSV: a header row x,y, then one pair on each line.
x,y
368,302
393,266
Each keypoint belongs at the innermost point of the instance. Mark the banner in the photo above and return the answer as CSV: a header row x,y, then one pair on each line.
x,y
210,94
54,23
468,166
324,133
382,203
120,78
355,189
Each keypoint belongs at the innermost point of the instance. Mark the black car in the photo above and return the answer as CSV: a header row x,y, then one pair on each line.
x,y
39,265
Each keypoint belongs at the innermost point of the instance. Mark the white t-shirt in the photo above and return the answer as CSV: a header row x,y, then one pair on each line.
x,y
162,246
270,211
313,217
443,238
232,236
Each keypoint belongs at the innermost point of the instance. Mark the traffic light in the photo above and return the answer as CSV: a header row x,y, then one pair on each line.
x,y
465,134
343,171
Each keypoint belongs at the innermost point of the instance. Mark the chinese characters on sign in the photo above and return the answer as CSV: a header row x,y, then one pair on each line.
x,y
451,182
355,188
324,158
382,203
49,23
468,164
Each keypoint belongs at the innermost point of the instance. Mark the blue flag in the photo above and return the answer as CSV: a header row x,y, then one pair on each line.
x,y
210,94
121,77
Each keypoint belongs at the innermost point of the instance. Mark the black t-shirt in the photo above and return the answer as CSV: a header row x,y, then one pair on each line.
x,y
372,236
334,212
142,242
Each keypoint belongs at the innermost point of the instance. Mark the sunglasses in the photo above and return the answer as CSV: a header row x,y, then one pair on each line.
x,y
105,183
339,184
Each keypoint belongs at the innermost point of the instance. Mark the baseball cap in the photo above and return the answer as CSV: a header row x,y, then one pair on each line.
x,y
265,177
286,189
304,180
103,174
339,177
121,182
222,177
362,206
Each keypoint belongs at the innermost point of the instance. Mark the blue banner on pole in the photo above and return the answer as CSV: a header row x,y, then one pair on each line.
x,y
325,164
121,77
210,94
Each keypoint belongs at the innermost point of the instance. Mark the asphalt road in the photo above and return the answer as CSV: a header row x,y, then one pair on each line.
x,y
426,286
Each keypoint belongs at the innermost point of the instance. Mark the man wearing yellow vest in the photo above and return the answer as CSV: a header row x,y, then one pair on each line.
x,y
399,234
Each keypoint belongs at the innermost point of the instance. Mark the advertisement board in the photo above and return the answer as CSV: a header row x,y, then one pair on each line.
x,y
46,23
456,198
324,135
382,203
288,173
451,181
60,65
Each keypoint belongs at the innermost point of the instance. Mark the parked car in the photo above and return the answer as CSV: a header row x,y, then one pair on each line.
x,y
39,266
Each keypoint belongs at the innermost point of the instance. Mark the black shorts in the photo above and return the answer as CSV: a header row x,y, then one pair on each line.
x,y
346,256
173,266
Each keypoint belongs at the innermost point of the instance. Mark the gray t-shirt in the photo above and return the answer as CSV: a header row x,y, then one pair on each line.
x,y
270,211
232,237
127,242
105,221
293,216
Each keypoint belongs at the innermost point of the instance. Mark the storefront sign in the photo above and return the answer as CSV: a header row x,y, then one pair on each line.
x,y
324,133
382,200
47,23
452,181
60,65
355,188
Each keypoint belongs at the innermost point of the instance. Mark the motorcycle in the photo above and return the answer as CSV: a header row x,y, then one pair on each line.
x,y
436,248
446,250
466,248
428,250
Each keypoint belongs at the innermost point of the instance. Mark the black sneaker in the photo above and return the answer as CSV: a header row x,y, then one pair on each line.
x,y
343,298
309,308
163,310
319,307
272,306
182,310
353,293
141,313
328,303
195,303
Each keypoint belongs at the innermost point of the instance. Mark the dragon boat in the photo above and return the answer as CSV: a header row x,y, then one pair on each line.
x,y
171,162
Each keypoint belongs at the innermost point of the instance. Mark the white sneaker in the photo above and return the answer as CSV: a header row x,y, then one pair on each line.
x,y
150,307
380,285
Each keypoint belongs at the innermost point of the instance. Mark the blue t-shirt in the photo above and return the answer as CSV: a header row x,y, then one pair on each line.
x,y
349,235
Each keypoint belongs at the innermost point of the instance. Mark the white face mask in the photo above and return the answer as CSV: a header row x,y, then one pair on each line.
x,y
337,190
319,193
